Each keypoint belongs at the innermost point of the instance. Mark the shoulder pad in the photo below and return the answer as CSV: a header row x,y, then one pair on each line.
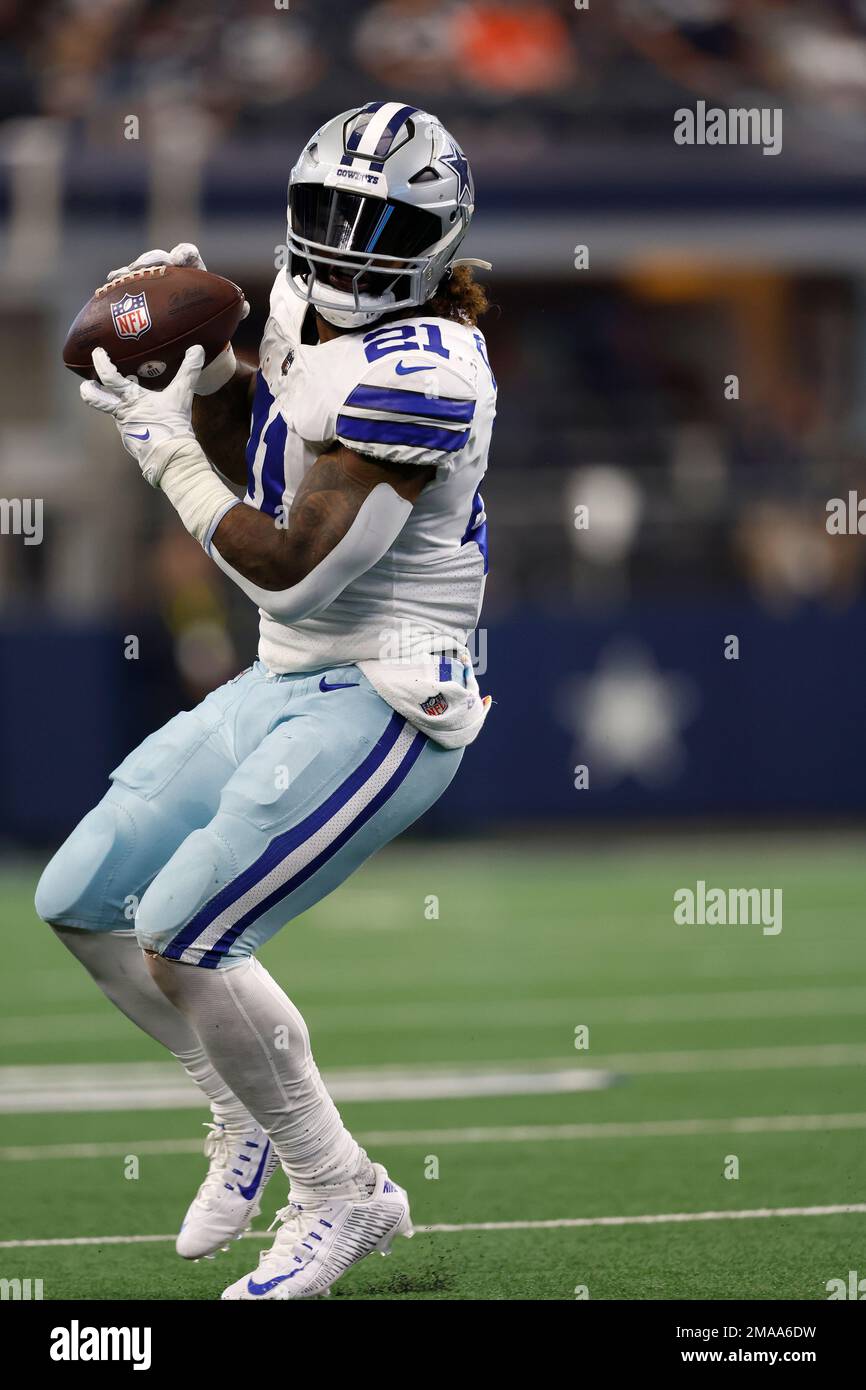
x,y
415,410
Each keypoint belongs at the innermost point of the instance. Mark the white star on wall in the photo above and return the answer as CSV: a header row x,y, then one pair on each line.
x,y
626,717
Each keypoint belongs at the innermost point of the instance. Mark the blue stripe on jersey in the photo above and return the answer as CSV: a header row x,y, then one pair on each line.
x,y
274,465
262,402
412,403
476,531
397,432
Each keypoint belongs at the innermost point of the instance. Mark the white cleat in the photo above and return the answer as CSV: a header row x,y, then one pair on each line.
x,y
241,1163
313,1248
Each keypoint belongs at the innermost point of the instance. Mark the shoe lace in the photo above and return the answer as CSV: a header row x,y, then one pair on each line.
x,y
295,1239
216,1150
218,1147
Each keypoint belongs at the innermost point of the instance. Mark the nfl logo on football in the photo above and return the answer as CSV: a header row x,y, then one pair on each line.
x,y
131,316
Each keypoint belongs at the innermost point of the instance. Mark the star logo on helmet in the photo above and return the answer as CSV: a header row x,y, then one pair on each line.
x,y
456,160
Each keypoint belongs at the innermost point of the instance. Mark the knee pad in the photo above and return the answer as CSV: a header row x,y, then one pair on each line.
x,y
84,885
196,872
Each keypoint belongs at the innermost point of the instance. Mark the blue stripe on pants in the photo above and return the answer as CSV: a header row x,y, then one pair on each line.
x,y
212,958
283,845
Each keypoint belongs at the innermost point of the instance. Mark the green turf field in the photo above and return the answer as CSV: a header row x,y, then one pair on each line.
x,y
716,1042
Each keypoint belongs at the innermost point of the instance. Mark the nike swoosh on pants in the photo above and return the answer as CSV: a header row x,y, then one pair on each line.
x,y
325,685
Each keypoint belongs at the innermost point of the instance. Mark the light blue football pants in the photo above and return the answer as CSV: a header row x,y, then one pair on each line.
x,y
238,815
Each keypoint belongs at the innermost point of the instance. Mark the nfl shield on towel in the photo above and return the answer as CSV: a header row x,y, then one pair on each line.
x,y
437,704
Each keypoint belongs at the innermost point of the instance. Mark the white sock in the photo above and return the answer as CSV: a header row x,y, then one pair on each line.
x,y
116,963
258,1041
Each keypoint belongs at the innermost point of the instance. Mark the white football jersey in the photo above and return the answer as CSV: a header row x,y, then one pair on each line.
x,y
416,391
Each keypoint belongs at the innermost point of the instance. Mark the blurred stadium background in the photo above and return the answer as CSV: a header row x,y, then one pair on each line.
x,y
602,646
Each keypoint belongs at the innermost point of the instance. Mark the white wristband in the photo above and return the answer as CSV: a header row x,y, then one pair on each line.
x,y
198,496
217,373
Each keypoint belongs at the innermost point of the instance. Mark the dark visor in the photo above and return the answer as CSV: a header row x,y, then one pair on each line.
x,y
353,222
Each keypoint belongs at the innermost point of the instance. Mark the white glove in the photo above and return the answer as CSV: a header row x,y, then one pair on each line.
x,y
147,420
221,370
184,254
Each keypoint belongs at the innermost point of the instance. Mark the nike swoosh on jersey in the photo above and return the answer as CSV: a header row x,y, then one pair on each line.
x,y
405,371
130,435
338,685
250,1192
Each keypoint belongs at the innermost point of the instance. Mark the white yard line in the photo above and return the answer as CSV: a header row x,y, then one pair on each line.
x,y
162,1086
736,1059
667,1218
560,1223
479,1134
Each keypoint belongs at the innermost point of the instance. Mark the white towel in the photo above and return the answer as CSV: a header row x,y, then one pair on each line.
x,y
438,694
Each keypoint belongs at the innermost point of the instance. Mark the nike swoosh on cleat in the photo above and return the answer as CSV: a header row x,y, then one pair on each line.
x,y
338,685
405,371
250,1192
258,1289
130,435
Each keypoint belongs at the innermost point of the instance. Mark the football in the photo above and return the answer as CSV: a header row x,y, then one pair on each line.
x,y
147,319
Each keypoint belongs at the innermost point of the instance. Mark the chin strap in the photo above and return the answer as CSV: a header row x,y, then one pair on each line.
x,y
347,314
473,260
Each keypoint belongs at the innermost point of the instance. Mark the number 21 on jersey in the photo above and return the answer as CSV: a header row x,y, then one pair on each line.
x,y
404,337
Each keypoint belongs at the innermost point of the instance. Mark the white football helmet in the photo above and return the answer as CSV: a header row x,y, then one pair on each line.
x,y
379,201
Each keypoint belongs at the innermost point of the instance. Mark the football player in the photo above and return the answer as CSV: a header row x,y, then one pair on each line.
x,y
362,540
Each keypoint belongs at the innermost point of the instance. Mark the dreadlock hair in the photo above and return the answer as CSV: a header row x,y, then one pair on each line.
x,y
459,297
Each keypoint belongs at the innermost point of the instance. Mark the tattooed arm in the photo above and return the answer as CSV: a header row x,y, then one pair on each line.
x,y
347,513
221,423
323,512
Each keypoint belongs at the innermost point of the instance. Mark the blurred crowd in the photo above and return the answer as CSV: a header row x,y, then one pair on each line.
x,y
611,386
617,397
252,62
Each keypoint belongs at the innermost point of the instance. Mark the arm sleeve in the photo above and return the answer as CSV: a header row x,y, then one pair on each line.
x,y
381,517
405,411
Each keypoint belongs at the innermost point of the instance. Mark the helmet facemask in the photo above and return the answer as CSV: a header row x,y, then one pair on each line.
x,y
379,202
360,256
